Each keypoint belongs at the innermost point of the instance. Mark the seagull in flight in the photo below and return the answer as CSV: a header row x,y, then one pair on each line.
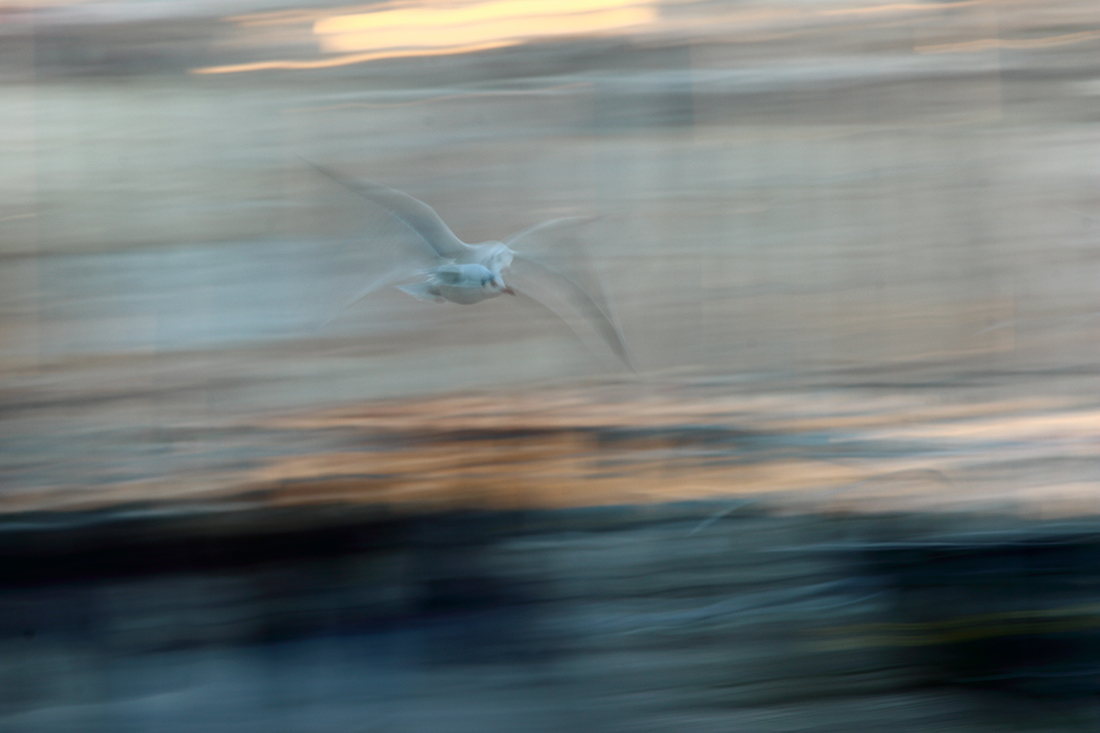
x,y
464,284
470,273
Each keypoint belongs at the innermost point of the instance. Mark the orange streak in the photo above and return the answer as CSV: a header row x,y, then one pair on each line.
x,y
354,58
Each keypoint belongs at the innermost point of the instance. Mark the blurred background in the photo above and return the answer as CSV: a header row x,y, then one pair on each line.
x,y
806,193
851,246
785,187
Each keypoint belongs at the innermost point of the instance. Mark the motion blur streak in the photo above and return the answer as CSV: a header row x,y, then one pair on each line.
x,y
477,23
348,38
354,58
898,8
852,248
404,32
992,43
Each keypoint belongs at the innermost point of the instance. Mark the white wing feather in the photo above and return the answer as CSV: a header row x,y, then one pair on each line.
x,y
420,218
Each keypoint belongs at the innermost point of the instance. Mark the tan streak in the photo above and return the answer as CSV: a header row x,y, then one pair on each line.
x,y
355,58
491,30
987,44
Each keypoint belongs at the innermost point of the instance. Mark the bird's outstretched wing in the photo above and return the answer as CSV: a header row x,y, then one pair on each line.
x,y
565,297
548,226
420,218
449,274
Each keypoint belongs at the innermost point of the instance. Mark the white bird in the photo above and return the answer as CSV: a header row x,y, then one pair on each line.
x,y
463,284
470,273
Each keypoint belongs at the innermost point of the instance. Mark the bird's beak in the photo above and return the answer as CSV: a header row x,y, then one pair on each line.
x,y
509,291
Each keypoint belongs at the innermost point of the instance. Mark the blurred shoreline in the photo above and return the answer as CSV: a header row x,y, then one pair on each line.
x,y
951,446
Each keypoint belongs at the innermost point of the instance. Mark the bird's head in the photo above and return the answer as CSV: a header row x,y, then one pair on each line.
x,y
494,284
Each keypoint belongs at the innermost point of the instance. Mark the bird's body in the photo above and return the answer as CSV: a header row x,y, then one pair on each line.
x,y
495,256
463,284
470,273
